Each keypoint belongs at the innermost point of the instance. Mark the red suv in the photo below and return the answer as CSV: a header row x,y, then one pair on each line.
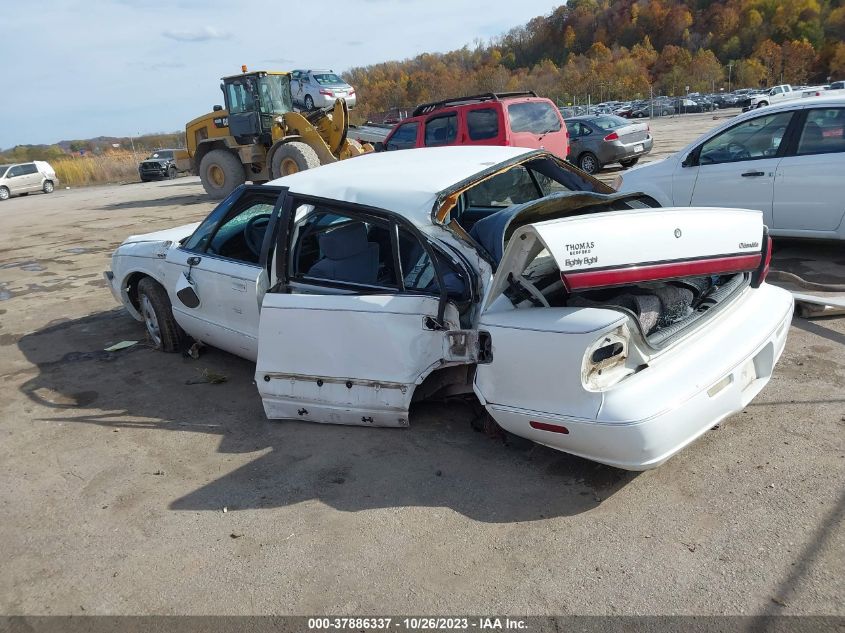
x,y
520,119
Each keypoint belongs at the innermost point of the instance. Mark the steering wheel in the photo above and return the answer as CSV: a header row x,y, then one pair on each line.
x,y
737,151
254,232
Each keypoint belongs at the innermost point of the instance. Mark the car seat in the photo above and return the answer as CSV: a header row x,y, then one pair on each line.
x,y
347,255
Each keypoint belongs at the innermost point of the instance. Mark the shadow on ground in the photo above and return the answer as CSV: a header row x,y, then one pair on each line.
x,y
182,199
440,461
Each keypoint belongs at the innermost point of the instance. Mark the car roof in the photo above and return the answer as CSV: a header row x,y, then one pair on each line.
x,y
794,104
408,182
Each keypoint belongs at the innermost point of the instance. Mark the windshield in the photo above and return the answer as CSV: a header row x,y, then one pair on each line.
x,y
328,78
3,169
274,91
161,155
610,122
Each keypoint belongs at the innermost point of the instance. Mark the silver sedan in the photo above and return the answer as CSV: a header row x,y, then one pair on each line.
x,y
598,140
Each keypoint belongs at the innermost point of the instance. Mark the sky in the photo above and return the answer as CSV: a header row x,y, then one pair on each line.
x,y
79,69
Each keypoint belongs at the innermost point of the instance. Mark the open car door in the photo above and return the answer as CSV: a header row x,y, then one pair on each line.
x,y
347,335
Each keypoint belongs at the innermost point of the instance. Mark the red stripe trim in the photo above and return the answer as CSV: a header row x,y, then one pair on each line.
x,y
657,272
545,426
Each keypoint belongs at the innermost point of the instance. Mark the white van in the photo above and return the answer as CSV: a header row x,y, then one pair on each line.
x,y
23,178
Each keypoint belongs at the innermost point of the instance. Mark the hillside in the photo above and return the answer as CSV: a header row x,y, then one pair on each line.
x,y
625,48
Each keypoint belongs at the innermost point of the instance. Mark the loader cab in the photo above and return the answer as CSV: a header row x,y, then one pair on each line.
x,y
253,100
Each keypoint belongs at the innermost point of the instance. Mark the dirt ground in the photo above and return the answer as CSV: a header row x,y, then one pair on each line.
x,y
126,490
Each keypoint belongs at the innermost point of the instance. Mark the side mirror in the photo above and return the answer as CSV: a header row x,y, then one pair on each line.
x,y
186,292
218,108
689,160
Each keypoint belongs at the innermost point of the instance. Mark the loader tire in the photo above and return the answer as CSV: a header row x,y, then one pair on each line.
x,y
221,172
293,157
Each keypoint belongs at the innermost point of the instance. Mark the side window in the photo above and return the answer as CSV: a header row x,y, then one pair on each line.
x,y
240,236
14,171
332,246
537,117
514,186
760,137
417,270
235,229
441,130
482,124
405,136
29,168
419,274
824,132
240,97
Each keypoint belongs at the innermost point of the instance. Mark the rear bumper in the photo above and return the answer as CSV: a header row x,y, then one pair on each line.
x,y
617,150
652,415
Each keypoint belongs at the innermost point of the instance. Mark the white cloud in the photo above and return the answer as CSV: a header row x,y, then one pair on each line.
x,y
202,34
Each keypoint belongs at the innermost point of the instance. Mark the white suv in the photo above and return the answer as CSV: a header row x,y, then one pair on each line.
x,y
782,160
23,178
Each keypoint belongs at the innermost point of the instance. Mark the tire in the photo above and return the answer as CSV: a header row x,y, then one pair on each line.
x,y
221,173
762,104
639,115
629,162
157,313
47,187
4,193
293,157
589,163
145,180
171,173
309,102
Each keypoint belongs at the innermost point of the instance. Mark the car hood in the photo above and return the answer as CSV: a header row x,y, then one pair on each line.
x,y
167,235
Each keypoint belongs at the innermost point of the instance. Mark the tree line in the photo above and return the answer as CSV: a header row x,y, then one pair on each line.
x,y
625,49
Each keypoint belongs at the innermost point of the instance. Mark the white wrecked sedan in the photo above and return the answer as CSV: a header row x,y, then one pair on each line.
x,y
582,319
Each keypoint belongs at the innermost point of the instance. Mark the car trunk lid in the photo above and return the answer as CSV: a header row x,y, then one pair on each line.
x,y
632,133
661,266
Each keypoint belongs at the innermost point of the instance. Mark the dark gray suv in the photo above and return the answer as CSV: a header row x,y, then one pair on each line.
x,y
158,165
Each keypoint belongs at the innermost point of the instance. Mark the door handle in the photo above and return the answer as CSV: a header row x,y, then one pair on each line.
x,y
753,174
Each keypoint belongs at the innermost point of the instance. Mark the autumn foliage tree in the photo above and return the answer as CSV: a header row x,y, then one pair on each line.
x,y
621,49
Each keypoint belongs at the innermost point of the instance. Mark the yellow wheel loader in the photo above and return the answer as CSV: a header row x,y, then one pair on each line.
x,y
259,137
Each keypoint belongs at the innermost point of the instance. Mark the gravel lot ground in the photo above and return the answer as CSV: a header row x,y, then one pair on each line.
x,y
124,490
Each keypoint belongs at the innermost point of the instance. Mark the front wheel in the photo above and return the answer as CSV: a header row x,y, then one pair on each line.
x,y
154,306
171,173
762,104
589,163
47,187
221,173
293,157
4,193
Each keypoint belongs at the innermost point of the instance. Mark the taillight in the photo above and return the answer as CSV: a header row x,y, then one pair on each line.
x,y
766,257
352,91
587,279
329,93
613,136
545,426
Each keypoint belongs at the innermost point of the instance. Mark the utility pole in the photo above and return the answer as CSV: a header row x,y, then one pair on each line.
x,y
730,66
651,101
